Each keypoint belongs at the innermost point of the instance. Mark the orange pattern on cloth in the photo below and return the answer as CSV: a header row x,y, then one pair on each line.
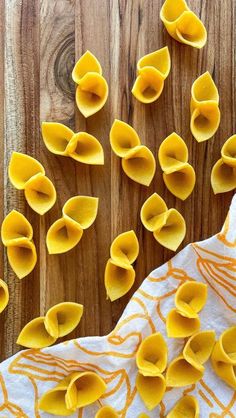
x,y
27,375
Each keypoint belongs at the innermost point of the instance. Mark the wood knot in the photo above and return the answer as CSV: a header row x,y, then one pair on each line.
x,y
64,63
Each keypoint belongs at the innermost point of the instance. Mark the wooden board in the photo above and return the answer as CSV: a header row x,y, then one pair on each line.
x,y
40,41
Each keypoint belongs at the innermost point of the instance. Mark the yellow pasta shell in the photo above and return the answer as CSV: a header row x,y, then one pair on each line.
x,y
82,210
87,63
14,226
173,152
85,148
160,60
22,256
91,93
63,318
181,182
4,295
56,137
173,231
186,407
107,412
181,373
125,248
40,193
223,177
143,415
151,389
228,151
226,371
35,335
148,85
21,168
63,235
153,212
205,121
190,298
53,401
151,357
123,138
225,348
139,164
179,326
199,347
84,389
119,278
204,90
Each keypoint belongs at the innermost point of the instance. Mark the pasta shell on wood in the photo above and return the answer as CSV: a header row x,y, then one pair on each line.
x,y
179,326
190,298
170,12
63,235
148,85
56,137
173,152
84,389
22,256
82,210
181,373
4,295
63,318
14,226
199,347
173,231
205,121
40,193
123,138
119,278
223,177
151,389
153,212
151,357
139,164
85,148
225,348
125,248
185,407
181,182
35,335
228,151
106,412
160,60
87,63
204,90
21,168
91,93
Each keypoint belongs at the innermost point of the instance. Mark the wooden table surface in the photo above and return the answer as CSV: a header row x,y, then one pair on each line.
x,y
40,41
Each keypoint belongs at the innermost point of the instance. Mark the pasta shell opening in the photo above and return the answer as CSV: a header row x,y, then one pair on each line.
x,y
179,326
173,232
181,183
153,212
118,279
151,357
82,210
21,168
204,89
15,226
86,149
223,177
22,256
190,30
199,347
173,152
84,389
225,348
160,60
181,373
63,318
53,401
225,371
171,11
205,121
91,94
35,335
56,137
87,63
190,298
62,236
186,407
123,138
151,389
139,164
107,412
40,193
148,85
4,295
228,152
125,248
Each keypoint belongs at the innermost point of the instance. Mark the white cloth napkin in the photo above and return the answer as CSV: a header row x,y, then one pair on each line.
x,y
27,375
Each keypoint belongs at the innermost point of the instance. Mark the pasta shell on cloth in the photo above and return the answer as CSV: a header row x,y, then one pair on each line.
x,y
125,248
4,295
182,24
179,326
151,389
119,278
151,357
78,213
106,412
59,321
225,371
190,298
26,173
152,70
17,235
205,113
225,348
179,176
181,373
199,347
186,407
143,415
75,391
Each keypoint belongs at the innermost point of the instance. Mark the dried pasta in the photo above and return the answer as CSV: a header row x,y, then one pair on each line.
x,y
223,357
92,88
4,295
59,321
75,391
179,176
152,70
119,272
78,213
181,373
205,112
26,173
186,407
17,235
182,24
107,412
168,225
151,357
81,146
198,348
151,389
179,326
223,175
138,161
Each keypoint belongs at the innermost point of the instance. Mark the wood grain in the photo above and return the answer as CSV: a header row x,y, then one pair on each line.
x,y
41,41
